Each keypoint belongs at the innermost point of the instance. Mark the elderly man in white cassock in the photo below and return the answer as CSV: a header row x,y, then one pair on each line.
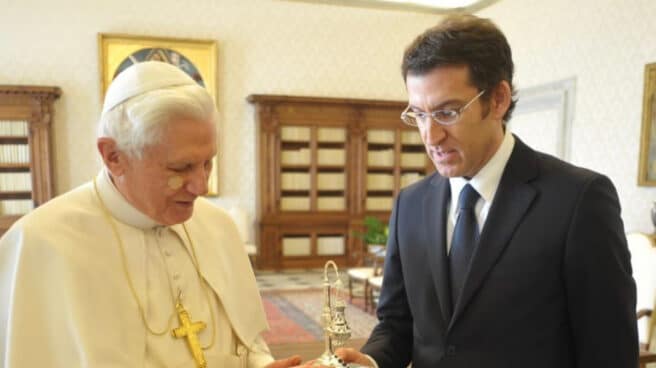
x,y
134,269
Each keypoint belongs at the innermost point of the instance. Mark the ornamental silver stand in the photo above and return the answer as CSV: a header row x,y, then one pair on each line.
x,y
336,329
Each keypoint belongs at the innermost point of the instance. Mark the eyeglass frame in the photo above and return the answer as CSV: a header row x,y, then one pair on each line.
x,y
406,112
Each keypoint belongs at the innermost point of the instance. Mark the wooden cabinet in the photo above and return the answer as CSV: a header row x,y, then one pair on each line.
x,y
25,154
325,164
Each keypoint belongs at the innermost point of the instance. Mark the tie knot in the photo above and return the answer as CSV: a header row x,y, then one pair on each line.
x,y
468,198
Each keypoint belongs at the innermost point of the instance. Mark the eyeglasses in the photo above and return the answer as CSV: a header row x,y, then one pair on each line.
x,y
442,117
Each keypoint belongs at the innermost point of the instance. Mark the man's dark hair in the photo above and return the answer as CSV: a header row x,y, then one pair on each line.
x,y
464,40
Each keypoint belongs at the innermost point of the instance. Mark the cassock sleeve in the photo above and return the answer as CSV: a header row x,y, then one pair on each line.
x,y
259,354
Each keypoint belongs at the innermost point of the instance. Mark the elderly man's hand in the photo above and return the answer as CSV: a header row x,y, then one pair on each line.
x,y
292,361
349,355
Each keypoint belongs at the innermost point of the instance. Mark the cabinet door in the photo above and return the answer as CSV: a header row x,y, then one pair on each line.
x,y
331,174
15,176
382,167
414,163
394,158
312,173
294,177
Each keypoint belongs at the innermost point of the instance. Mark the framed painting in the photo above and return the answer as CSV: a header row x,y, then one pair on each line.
x,y
647,168
197,58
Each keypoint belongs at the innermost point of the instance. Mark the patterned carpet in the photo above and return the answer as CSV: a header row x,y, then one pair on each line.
x,y
294,316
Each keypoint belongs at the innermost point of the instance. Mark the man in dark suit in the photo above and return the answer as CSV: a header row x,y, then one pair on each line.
x,y
533,271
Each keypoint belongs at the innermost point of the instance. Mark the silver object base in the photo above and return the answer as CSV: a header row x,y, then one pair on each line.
x,y
331,360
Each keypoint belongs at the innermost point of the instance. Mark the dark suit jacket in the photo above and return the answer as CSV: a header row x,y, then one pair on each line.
x,y
550,282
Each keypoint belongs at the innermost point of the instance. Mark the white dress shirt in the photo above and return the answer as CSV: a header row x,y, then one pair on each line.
x,y
485,182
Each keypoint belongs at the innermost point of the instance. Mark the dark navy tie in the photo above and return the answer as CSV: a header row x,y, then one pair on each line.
x,y
463,243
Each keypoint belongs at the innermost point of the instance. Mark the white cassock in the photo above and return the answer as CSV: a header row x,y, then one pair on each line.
x,y
66,302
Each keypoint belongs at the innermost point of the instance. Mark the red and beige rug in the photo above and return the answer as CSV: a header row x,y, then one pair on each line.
x,y
294,316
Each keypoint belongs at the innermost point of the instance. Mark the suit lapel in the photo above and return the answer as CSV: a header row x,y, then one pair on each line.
x,y
512,200
435,212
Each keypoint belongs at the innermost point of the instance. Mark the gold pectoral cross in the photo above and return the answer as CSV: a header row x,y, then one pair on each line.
x,y
190,330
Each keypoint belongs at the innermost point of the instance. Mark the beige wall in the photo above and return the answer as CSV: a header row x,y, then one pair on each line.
x,y
605,44
278,47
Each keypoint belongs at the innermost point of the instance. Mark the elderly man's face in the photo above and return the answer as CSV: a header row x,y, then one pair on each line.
x,y
172,174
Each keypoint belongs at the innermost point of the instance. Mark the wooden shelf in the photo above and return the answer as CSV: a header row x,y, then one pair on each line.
x,y
330,144
413,148
380,193
375,146
7,168
294,145
295,193
294,168
16,195
13,140
330,168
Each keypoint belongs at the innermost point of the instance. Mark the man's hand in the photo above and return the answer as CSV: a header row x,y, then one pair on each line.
x,y
292,361
349,355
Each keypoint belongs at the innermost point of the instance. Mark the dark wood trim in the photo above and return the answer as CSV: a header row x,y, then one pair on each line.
x,y
48,92
278,99
15,167
16,195
13,140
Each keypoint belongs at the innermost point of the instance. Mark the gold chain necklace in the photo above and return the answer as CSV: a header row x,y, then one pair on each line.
x,y
194,261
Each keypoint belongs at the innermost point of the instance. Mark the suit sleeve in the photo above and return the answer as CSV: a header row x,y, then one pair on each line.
x,y
600,290
390,343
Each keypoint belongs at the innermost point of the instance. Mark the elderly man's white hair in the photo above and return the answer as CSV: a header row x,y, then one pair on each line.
x,y
144,98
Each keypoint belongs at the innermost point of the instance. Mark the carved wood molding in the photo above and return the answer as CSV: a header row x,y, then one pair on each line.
x,y
33,103
39,92
277,99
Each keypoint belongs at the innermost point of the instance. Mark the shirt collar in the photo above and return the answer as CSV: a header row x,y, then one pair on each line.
x,y
486,181
118,206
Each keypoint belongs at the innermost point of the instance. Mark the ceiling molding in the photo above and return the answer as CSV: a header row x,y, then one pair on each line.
x,y
388,5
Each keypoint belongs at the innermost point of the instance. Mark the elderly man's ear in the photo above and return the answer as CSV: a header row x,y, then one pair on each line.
x,y
113,158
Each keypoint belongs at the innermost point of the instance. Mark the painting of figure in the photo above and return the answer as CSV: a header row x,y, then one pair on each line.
x,y
161,54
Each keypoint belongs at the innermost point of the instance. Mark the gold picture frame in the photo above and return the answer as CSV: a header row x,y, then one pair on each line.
x,y
198,58
647,168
